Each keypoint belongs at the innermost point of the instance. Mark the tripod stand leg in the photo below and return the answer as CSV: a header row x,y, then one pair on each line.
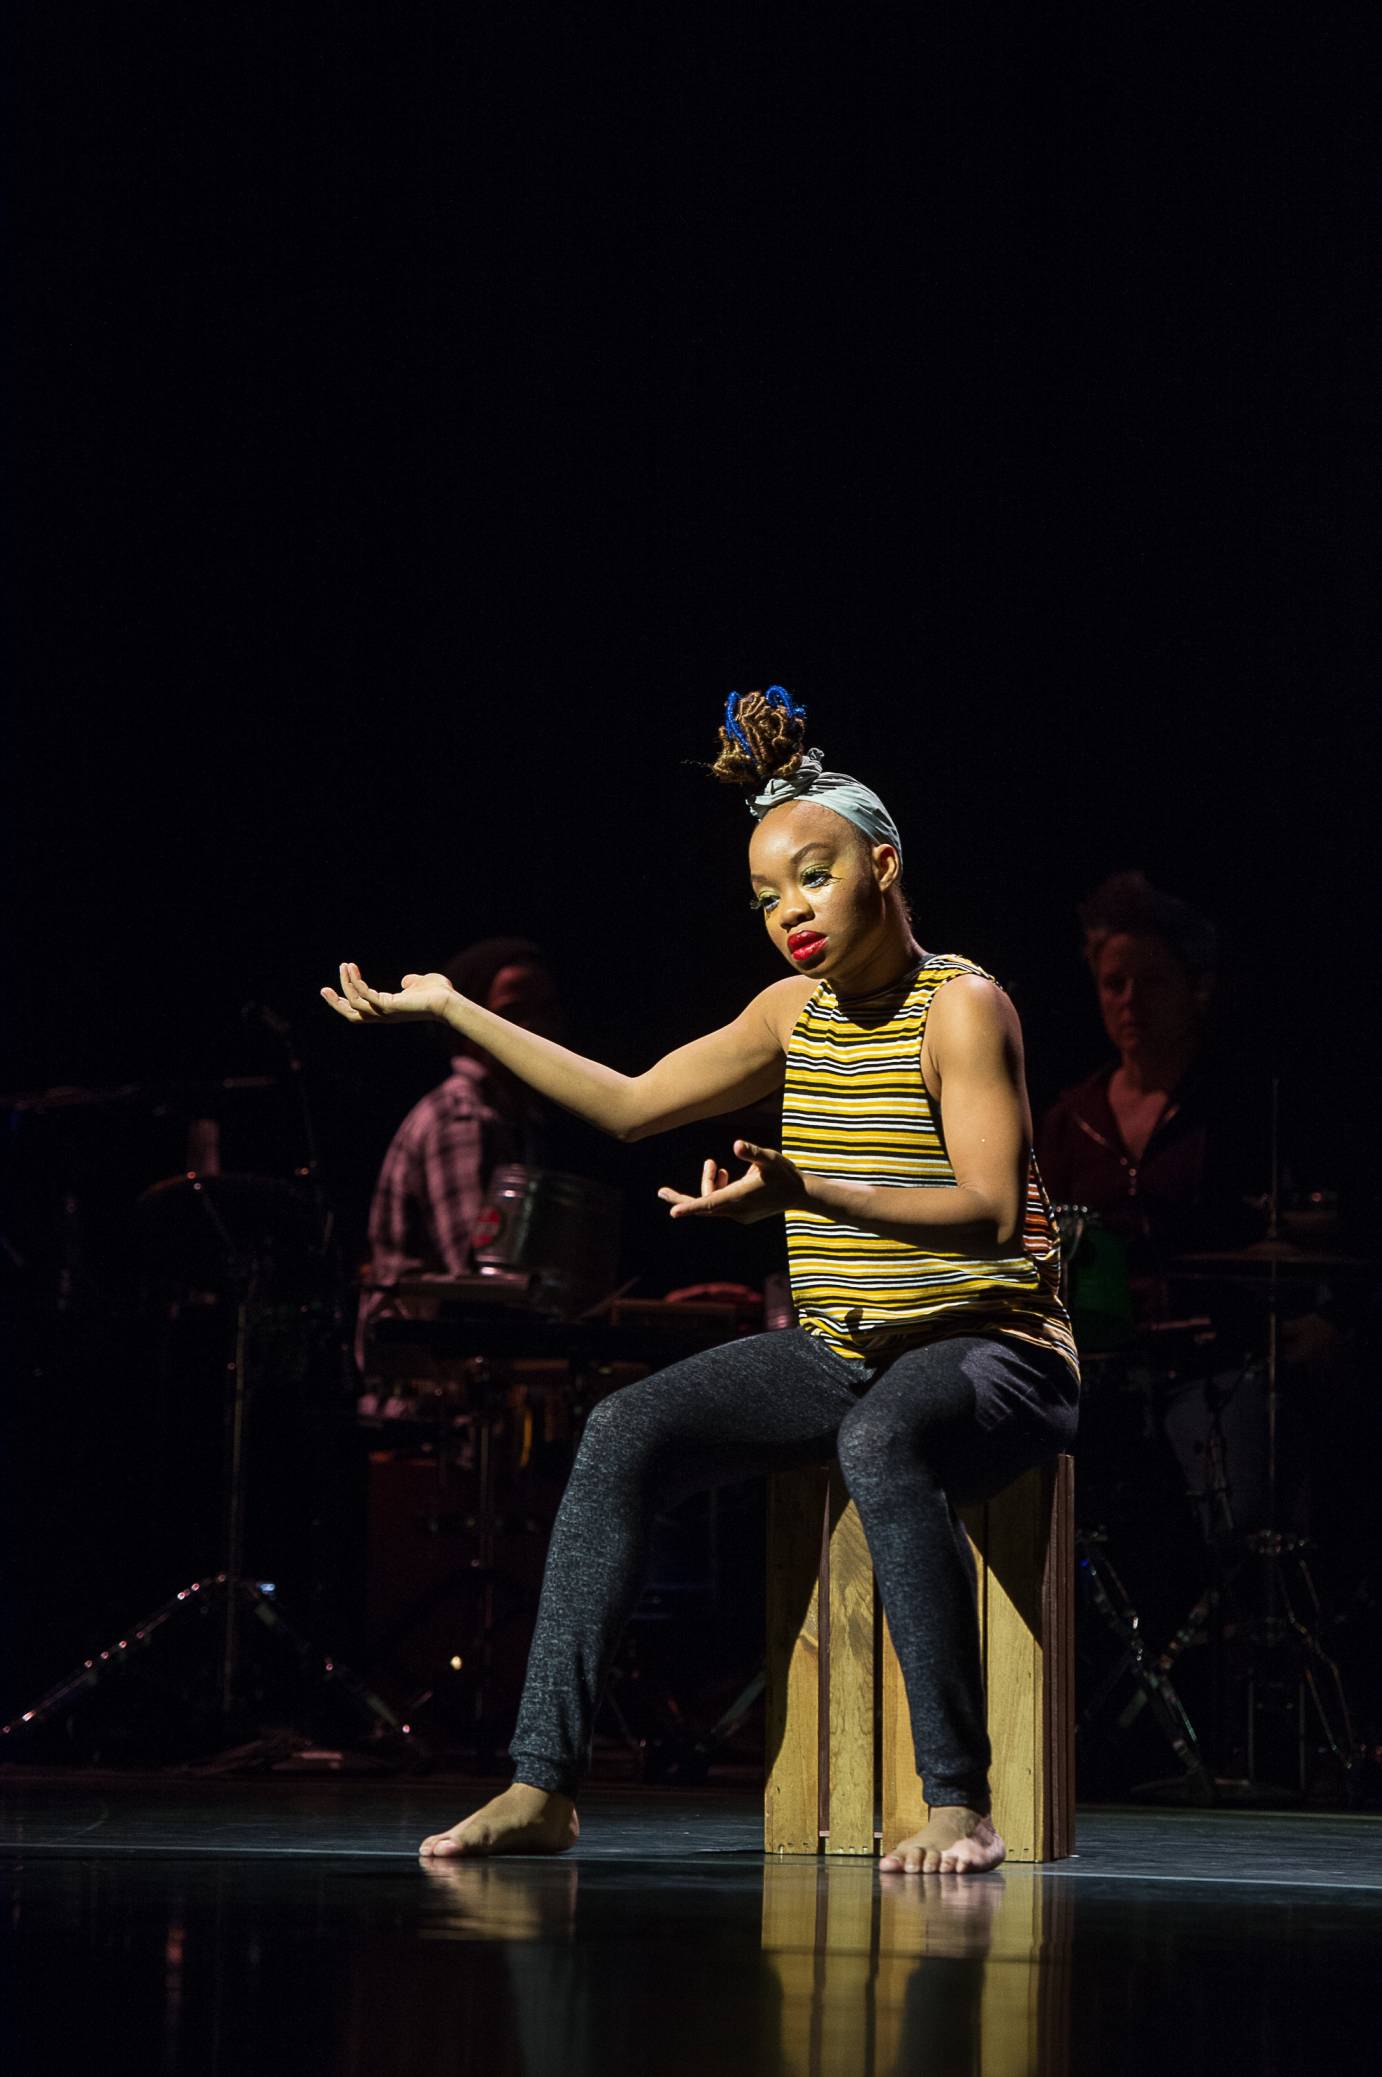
x,y
1154,1689
1339,1736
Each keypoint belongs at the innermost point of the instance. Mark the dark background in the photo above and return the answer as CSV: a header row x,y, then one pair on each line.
x,y
422,420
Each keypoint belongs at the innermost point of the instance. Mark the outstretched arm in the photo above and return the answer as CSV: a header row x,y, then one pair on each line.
x,y
724,1071
974,1043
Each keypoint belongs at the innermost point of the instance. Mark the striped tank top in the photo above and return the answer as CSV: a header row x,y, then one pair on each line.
x,y
855,1107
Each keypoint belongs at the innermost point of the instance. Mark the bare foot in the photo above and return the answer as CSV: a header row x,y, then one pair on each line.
x,y
521,1820
953,1841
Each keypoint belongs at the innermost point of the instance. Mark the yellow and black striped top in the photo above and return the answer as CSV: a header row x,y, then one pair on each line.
x,y
855,1107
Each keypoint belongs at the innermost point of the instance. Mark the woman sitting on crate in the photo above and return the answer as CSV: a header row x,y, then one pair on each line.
x,y
933,1357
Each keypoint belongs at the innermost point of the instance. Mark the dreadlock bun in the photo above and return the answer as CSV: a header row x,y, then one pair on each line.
x,y
761,738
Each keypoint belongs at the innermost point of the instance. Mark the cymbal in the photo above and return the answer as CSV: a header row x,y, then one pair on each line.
x,y
68,1097
1269,1257
72,1097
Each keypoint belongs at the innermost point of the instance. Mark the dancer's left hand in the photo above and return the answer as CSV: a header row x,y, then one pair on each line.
x,y
771,1184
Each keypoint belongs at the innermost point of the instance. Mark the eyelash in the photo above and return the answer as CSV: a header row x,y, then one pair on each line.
x,y
814,876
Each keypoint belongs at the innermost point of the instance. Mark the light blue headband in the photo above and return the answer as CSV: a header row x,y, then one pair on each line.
x,y
834,790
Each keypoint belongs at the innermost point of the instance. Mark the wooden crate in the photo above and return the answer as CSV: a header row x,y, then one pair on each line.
x,y
839,1740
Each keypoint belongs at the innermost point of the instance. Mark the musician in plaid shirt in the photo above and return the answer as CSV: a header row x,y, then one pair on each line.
x,y
435,1175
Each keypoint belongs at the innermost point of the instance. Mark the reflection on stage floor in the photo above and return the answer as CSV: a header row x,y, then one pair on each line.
x,y
252,1928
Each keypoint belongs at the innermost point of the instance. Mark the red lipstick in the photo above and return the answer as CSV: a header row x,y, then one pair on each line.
x,y
805,944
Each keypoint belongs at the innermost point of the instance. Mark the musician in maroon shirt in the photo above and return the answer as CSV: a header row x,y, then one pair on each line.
x,y
1169,1151
1149,1142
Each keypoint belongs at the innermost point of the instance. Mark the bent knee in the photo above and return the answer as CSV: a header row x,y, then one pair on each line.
x,y
616,1438
873,1450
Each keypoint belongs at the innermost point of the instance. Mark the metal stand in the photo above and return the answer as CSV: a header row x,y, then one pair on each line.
x,y
1284,1624
228,1593
476,1574
229,1602
1153,1687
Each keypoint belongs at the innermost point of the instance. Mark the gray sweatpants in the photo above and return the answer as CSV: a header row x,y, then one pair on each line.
x,y
944,1424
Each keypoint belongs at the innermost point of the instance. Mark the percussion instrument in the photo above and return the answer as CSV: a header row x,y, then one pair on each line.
x,y
561,1230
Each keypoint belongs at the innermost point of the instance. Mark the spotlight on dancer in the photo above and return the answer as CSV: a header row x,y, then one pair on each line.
x,y
933,1358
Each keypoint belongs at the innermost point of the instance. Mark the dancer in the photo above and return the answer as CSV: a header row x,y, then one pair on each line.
x,y
932,1358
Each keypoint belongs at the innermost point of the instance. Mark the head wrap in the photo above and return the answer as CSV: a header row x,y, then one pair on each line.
x,y
858,803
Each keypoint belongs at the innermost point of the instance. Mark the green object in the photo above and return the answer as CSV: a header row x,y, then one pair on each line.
x,y
1100,1297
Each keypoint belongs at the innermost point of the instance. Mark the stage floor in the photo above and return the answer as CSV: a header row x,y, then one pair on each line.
x,y
249,1928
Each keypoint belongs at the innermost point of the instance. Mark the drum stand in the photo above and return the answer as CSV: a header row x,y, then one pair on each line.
x,y
478,1572
1285,1652
1286,1621
476,1707
1153,1688
227,1596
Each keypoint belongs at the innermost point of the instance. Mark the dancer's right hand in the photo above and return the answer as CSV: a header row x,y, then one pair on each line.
x,y
421,996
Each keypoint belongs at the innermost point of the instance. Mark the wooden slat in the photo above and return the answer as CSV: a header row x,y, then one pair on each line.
x,y
976,1522
1015,1530
1013,1661
1066,1689
791,1817
850,1680
904,1804
1058,1616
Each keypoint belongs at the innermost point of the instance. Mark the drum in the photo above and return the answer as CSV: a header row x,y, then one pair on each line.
x,y
561,1230
1094,1275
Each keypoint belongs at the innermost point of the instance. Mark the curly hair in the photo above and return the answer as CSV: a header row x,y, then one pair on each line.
x,y
761,738
1128,904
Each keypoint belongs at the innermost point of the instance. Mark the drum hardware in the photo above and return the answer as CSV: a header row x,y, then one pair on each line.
x,y
155,1096
470,1352
1288,1669
1263,1270
233,1234
1265,1260
1194,1630
1153,1688
475,1398
199,1601
1283,1627
470,1683
1096,1289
